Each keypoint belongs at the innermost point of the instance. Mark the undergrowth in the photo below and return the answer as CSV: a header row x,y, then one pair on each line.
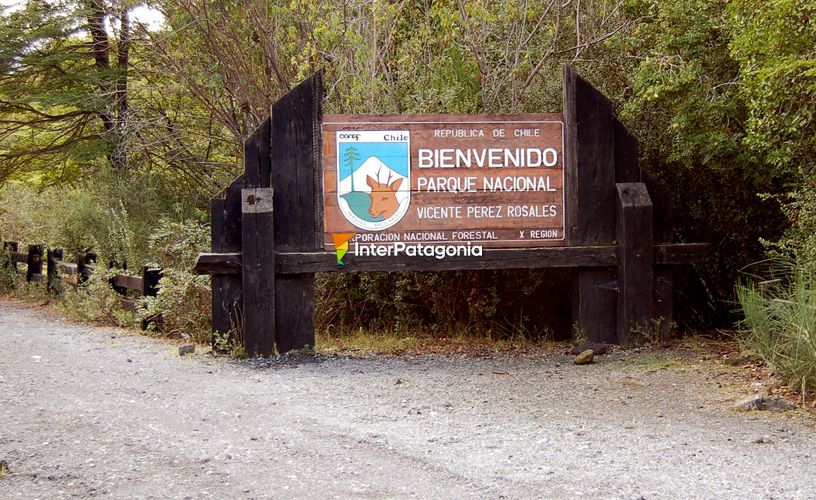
x,y
780,322
96,301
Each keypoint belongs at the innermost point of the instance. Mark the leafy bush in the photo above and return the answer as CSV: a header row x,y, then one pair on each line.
x,y
8,277
96,301
184,299
780,322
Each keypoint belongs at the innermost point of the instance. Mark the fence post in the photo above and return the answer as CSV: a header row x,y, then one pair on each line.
x,y
112,264
53,283
295,151
636,267
83,261
150,281
589,164
150,288
35,254
258,270
227,292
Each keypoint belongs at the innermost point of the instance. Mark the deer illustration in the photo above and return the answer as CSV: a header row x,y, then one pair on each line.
x,y
383,196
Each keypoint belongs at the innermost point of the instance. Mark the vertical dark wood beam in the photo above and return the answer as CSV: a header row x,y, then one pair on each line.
x,y
635,271
589,162
150,288
220,302
664,275
34,261
150,281
295,161
112,264
256,157
258,270
590,170
53,283
233,295
595,302
258,246
84,260
663,308
225,232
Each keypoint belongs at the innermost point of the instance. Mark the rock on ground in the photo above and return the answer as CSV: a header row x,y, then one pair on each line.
x,y
764,403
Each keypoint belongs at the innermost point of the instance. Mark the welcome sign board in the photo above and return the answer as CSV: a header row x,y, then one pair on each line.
x,y
491,180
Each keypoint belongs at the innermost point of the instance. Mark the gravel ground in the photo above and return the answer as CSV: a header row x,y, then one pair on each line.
x,y
102,412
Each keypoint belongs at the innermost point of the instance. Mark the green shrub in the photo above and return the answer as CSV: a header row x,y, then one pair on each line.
x,y
96,301
184,299
8,276
780,322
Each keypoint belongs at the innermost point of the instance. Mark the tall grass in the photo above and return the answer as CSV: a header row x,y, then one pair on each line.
x,y
780,322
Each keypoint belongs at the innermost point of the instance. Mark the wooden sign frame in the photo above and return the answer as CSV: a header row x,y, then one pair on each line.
x,y
268,235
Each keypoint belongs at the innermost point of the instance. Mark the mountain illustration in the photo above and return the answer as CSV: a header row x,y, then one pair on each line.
x,y
354,189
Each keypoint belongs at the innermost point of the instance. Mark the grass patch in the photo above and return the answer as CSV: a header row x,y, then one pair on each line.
x,y
658,362
780,323
363,341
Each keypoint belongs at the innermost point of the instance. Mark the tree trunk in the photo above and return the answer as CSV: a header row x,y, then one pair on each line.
x,y
119,159
101,53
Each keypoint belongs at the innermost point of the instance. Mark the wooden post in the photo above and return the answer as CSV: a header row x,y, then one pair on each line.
x,y
54,284
83,263
150,281
112,264
258,270
220,304
227,294
35,264
589,162
295,165
150,288
635,271
664,274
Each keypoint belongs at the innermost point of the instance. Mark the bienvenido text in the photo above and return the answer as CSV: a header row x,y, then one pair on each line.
x,y
487,158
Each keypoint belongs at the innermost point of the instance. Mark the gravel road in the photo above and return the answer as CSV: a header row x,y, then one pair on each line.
x,y
90,411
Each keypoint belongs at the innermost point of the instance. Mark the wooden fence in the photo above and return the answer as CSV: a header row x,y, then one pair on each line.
x,y
53,268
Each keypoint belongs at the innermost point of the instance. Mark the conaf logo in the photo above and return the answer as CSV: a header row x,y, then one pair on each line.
x,y
373,177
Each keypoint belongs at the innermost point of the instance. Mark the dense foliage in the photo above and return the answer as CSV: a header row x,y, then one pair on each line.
x,y
109,127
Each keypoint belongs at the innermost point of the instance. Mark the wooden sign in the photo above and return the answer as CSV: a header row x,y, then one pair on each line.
x,y
490,180
436,182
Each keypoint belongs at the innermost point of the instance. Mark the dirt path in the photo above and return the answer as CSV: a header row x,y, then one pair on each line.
x,y
101,412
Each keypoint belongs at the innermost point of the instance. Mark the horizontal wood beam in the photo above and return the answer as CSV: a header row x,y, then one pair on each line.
x,y
585,256
218,263
311,262
19,257
129,282
680,253
66,267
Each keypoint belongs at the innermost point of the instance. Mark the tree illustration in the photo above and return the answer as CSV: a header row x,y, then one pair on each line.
x,y
349,158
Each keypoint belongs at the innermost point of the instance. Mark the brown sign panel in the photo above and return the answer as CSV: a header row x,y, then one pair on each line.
x,y
490,180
